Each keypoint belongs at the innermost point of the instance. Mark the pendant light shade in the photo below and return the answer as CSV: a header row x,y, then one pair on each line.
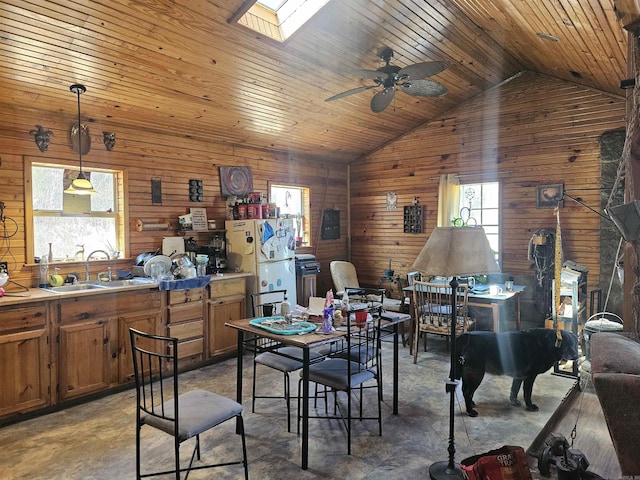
x,y
81,185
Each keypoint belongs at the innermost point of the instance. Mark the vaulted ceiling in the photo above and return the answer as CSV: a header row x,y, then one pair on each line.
x,y
179,67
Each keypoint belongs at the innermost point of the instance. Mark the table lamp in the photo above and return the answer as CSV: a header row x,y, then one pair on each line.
x,y
454,252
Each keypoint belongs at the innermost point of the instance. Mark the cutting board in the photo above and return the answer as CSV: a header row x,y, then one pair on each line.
x,y
171,245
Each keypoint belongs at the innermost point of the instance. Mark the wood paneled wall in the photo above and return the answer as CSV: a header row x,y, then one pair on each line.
x,y
174,158
539,129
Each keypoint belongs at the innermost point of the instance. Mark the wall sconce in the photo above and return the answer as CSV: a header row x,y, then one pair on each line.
x,y
81,185
41,137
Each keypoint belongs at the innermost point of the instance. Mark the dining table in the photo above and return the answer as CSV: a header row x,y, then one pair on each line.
x,y
307,341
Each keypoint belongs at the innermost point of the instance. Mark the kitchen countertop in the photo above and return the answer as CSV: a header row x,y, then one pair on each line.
x,y
38,294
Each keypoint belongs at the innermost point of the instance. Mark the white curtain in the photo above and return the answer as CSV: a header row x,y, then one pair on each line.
x,y
448,199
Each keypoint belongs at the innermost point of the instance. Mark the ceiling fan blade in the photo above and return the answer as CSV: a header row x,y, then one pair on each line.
x,y
381,100
423,88
421,70
349,92
373,74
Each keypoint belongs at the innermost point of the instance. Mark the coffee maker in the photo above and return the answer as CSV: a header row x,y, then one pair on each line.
x,y
217,253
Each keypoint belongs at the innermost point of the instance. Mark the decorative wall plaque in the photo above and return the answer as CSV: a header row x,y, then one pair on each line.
x,y
83,130
413,219
331,224
195,190
236,181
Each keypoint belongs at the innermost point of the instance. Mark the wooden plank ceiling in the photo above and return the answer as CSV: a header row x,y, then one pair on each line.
x,y
178,66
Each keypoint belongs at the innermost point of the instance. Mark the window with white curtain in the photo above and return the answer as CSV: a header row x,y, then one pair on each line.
x,y
480,205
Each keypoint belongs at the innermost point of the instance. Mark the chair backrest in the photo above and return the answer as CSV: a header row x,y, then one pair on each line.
x,y
155,366
266,304
344,275
364,340
413,277
432,304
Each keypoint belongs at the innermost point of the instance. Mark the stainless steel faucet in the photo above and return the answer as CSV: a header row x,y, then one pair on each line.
x,y
86,263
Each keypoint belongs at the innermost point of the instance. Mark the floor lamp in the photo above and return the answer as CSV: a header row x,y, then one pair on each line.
x,y
454,252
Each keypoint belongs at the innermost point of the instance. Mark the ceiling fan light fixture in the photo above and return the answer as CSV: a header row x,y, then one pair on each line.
x,y
410,79
81,185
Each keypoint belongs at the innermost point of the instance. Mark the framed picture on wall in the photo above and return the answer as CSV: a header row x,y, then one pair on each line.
x,y
550,196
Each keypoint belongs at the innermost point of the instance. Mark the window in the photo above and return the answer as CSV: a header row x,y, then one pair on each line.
x,y
481,202
278,19
72,226
293,202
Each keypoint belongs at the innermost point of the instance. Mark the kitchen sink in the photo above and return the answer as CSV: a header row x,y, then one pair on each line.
x,y
74,288
99,285
127,282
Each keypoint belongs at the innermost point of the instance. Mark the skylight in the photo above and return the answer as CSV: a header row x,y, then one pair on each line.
x,y
279,19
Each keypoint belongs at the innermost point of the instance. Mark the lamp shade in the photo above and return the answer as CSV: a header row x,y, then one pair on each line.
x,y
80,186
456,251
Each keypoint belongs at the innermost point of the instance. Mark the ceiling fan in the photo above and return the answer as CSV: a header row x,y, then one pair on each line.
x,y
410,79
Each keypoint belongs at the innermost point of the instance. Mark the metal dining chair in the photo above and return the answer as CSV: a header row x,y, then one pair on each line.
x,y
272,354
357,366
181,415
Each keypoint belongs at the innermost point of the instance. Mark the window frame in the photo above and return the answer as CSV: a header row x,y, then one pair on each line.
x,y
499,208
306,209
121,214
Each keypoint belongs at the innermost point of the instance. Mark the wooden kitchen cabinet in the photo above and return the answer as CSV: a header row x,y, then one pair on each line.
x,y
227,301
88,360
185,321
25,375
93,348
147,322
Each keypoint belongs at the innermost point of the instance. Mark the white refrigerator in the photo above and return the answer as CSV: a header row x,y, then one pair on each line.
x,y
265,248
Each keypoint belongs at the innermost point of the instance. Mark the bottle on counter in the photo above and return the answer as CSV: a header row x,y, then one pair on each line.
x,y
285,309
44,272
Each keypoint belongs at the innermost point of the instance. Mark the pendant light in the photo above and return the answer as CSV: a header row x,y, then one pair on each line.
x,y
81,185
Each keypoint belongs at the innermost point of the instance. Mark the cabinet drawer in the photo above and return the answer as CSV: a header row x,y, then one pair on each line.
x,y
185,296
183,331
22,318
107,304
223,288
185,311
190,348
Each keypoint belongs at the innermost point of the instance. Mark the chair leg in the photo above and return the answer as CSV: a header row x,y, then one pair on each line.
x,y
240,424
138,452
253,390
176,447
348,421
287,398
416,337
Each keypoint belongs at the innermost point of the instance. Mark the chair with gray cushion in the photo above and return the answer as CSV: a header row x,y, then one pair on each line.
x,y
356,367
181,415
272,354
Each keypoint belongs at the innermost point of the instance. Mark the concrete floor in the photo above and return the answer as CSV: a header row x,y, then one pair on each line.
x,y
96,440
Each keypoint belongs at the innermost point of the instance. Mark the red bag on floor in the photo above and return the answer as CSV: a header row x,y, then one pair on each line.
x,y
505,463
